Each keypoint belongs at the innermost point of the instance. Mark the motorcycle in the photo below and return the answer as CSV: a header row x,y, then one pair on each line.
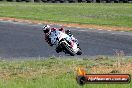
x,y
64,43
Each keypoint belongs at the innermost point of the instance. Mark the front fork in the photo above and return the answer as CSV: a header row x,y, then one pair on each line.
x,y
59,48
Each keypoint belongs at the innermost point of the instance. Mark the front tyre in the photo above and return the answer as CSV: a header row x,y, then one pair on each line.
x,y
68,49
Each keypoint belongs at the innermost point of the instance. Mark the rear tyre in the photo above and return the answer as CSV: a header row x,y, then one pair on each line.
x,y
79,52
68,49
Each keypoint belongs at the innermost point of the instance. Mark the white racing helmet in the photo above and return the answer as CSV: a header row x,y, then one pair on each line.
x,y
46,29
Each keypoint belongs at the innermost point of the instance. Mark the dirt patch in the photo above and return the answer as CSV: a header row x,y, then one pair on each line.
x,y
69,24
109,69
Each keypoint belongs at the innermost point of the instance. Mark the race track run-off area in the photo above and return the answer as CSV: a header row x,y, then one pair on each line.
x,y
27,40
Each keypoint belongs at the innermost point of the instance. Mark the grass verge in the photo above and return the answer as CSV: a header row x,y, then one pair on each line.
x,y
82,13
59,72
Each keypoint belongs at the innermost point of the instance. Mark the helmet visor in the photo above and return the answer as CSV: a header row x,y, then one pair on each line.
x,y
46,31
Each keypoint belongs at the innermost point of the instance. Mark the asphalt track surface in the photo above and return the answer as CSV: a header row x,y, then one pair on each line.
x,y
26,40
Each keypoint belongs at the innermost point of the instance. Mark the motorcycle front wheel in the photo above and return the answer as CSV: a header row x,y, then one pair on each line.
x,y
68,49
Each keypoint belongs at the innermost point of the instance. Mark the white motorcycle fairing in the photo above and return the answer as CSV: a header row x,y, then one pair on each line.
x,y
56,36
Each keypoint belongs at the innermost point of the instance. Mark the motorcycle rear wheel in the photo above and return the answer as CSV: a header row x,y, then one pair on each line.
x,y
79,52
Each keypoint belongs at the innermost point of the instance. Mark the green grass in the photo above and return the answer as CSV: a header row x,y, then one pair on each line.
x,y
53,72
119,14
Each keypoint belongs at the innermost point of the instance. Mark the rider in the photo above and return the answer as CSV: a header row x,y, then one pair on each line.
x,y
47,31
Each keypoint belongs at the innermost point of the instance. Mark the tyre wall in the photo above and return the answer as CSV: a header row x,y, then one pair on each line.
x,y
73,1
